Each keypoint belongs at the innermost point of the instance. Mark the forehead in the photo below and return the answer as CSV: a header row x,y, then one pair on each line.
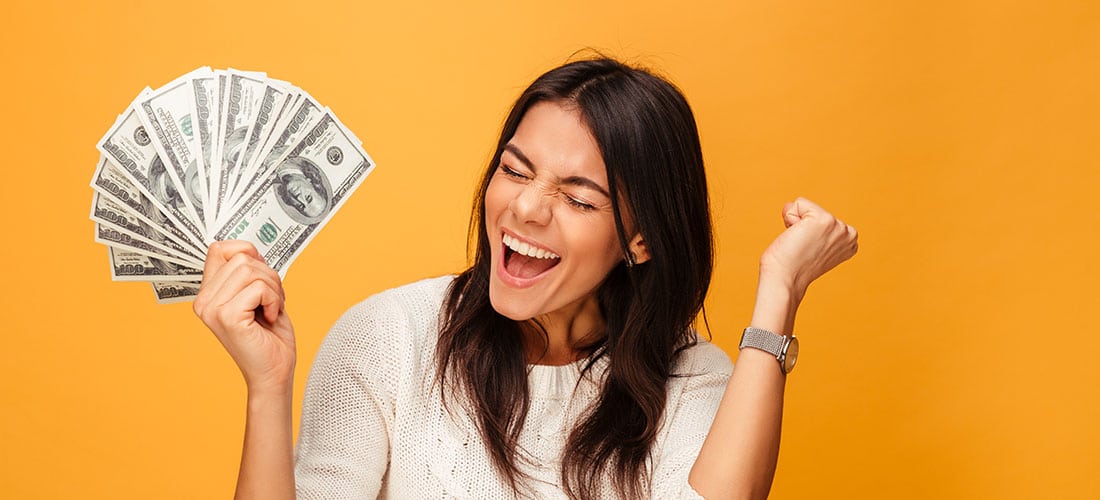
x,y
556,140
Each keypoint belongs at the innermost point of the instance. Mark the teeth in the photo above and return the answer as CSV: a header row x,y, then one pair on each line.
x,y
528,250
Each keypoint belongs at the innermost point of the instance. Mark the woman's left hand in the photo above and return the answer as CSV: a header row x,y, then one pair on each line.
x,y
815,242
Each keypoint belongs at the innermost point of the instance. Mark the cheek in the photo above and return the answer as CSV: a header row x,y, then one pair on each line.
x,y
595,237
497,196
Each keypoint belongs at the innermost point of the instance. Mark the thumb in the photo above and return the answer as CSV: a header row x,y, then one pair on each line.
x,y
799,209
791,213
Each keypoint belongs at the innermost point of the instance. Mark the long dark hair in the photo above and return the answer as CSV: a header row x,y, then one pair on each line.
x,y
650,145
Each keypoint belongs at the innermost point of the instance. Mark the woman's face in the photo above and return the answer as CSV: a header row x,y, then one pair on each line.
x,y
549,218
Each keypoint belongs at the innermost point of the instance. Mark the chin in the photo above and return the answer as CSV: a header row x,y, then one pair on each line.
x,y
507,304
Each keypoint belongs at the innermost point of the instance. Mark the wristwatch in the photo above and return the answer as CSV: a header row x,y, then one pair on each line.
x,y
784,348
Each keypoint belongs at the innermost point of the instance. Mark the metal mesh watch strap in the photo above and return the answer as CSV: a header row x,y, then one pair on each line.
x,y
764,340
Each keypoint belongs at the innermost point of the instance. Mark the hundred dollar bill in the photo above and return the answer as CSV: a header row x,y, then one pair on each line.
x,y
241,103
130,148
301,194
110,182
133,266
171,292
205,94
300,121
111,235
168,112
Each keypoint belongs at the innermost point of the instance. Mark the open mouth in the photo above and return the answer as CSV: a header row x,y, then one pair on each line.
x,y
525,261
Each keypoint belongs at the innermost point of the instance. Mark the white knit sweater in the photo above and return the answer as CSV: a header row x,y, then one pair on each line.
x,y
373,425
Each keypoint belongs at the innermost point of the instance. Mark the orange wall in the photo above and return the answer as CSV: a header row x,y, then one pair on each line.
x,y
952,358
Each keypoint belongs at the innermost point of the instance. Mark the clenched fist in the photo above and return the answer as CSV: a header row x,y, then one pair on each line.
x,y
814,242
242,301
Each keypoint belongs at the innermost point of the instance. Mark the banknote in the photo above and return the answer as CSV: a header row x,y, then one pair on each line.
x,y
214,168
204,90
170,292
133,266
300,195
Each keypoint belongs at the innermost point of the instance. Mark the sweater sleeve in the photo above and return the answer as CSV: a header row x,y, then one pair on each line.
x,y
695,391
348,411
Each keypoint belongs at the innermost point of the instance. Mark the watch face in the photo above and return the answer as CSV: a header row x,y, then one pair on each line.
x,y
791,356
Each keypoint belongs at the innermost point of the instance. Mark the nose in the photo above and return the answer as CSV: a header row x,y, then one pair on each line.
x,y
531,205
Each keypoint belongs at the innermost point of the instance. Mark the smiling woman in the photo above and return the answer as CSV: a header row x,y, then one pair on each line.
x,y
563,362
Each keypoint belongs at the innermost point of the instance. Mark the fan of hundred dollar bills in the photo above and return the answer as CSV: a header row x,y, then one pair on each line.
x,y
217,155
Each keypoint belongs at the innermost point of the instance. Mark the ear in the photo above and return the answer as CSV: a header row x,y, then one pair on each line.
x,y
638,249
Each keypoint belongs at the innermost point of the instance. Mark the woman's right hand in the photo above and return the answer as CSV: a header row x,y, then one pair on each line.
x,y
241,300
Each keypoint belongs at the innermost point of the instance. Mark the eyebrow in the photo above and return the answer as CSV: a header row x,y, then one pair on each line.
x,y
574,180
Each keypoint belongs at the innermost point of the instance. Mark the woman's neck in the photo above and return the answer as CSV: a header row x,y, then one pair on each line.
x,y
565,335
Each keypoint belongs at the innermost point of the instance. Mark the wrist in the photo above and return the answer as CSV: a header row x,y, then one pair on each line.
x,y
781,284
777,302
264,393
273,378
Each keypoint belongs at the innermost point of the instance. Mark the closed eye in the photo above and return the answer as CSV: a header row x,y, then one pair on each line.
x,y
511,172
578,203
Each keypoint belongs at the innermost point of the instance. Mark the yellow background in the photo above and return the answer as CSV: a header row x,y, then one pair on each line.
x,y
954,357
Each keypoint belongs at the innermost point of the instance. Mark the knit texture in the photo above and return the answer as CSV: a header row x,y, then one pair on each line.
x,y
374,425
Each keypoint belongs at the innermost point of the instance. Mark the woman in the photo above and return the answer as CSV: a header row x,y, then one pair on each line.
x,y
562,362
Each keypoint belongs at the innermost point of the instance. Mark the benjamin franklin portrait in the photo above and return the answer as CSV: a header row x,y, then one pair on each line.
x,y
303,190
